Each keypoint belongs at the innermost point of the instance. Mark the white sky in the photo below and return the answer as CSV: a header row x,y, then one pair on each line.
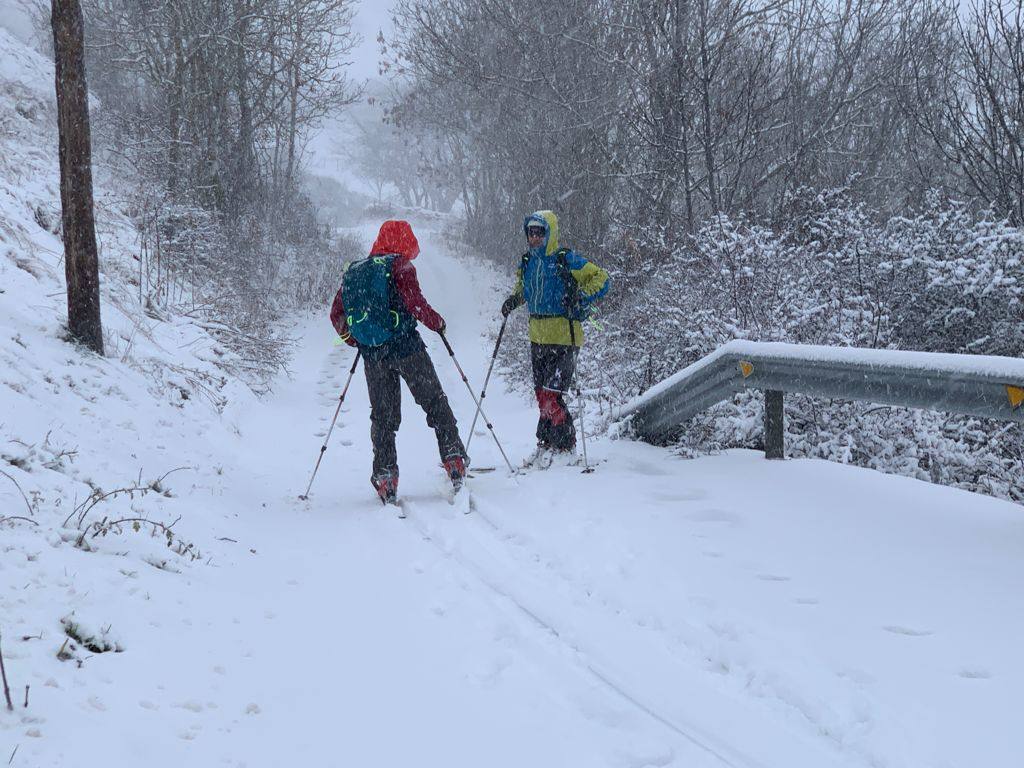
x,y
371,17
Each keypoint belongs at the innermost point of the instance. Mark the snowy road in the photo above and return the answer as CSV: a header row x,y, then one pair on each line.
x,y
719,612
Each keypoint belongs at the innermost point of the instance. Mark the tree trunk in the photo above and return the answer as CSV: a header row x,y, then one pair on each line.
x,y
681,33
293,111
292,122
244,178
81,263
174,108
705,75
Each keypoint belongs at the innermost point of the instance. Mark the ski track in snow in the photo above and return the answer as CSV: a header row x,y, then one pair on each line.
x,y
548,627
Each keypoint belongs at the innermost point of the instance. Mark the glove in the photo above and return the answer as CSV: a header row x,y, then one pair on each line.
x,y
443,328
510,304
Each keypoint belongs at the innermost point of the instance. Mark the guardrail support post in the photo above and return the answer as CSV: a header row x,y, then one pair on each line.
x,y
774,442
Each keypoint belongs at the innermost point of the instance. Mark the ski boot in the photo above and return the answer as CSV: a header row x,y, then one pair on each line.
x,y
565,457
540,458
455,468
386,485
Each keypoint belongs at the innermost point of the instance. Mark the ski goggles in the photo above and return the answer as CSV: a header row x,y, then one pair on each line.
x,y
535,231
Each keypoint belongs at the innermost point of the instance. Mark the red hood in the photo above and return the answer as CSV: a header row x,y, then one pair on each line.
x,y
396,237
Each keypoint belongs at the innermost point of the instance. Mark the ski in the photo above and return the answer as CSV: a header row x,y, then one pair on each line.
x,y
455,470
545,458
394,504
459,497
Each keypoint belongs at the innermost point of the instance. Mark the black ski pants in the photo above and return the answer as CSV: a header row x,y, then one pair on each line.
x,y
553,368
382,383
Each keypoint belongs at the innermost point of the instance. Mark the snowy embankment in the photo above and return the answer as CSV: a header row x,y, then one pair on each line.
x,y
725,611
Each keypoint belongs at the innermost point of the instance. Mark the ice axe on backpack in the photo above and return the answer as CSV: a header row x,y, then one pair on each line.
x,y
483,392
323,448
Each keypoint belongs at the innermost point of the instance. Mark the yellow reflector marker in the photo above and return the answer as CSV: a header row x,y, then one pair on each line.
x,y
1016,395
746,368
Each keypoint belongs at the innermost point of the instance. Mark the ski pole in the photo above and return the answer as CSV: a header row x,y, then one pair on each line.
x,y
479,405
483,392
323,448
587,469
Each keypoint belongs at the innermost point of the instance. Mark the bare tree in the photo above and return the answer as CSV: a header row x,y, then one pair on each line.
x,y
975,75
81,263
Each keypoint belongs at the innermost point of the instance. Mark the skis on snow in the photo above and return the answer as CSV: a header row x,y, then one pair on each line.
x,y
390,500
457,496
546,458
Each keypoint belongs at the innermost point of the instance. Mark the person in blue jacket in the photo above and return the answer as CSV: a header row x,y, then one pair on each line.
x,y
558,287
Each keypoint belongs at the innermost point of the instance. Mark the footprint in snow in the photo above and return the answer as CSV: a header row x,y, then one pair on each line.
x,y
806,601
975,673
693,494
907,631
772,577
656,758
647,470
714,516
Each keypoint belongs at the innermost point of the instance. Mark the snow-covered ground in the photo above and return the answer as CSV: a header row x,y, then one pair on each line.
x,y
720,611
725,611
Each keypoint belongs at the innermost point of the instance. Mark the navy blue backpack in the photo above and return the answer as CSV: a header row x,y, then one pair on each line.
x,y
373,312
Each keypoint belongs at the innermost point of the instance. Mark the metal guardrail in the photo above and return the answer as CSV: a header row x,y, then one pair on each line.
x,y
976,385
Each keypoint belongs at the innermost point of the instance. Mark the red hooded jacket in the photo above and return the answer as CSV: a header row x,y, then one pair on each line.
x,y
395,237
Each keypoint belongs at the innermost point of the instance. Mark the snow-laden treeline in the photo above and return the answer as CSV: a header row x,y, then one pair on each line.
x,y
942,280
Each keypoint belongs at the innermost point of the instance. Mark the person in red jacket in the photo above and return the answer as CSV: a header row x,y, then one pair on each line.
x,y
377,309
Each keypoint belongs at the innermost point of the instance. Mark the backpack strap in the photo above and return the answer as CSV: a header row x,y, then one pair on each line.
x,y
395,304
572,292
572,288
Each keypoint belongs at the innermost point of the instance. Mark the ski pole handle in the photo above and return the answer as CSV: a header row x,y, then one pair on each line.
x,y
501,332
352,370
446,344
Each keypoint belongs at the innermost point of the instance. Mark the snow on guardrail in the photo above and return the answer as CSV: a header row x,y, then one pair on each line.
x,y
981,385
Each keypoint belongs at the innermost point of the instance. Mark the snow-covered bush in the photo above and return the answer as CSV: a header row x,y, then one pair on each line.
x,y
831,272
